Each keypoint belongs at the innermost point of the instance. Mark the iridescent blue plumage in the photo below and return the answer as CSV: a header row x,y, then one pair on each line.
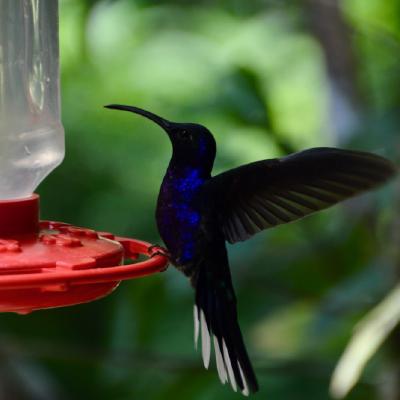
x,y
179,215
188,182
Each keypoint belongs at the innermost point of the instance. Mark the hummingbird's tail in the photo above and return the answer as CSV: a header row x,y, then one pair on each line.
x,y
216,317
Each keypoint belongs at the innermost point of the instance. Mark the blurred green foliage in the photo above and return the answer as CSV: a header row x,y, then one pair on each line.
x,y
255,74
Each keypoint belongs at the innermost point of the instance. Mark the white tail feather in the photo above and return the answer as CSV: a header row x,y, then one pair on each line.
x,y
223,376
245,390
196,325
229,366
205,340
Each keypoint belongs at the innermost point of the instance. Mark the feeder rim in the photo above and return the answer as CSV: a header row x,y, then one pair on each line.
x,y
155,263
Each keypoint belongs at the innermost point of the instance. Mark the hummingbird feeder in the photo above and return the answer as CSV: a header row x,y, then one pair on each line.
x,y
46,264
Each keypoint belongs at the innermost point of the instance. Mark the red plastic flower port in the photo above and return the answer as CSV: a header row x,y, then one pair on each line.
x,y
52,264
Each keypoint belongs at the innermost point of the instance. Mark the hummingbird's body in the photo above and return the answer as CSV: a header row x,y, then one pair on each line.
x,y
179,213
197,214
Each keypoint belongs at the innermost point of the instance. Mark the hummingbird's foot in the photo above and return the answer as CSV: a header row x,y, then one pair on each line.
x,y
156,250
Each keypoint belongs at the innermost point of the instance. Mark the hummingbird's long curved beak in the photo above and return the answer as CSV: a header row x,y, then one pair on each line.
x,y
153,117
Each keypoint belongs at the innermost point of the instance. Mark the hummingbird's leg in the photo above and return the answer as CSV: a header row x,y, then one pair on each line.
x,y
156,250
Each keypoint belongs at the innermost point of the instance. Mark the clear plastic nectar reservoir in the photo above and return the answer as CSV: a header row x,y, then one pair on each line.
x,y
31,134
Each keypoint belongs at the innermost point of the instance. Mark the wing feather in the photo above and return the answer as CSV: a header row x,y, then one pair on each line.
x,y
266,193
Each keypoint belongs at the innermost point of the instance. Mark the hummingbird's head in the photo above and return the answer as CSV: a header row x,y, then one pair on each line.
x,y
191,143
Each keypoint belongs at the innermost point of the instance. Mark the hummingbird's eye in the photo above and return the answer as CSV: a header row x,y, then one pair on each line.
x,y
184,134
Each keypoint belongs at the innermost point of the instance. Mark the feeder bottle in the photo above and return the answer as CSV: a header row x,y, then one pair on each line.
x,y
31,134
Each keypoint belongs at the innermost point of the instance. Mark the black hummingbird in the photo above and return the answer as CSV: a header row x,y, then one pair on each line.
x,y
197,213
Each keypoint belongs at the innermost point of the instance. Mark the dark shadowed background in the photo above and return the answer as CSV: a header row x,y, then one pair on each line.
x,y
267,77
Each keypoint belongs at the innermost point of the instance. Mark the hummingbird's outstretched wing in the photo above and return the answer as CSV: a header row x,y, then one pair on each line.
x,y
266,193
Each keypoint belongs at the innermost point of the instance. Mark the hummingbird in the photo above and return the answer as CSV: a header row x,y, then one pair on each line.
x,y
197,213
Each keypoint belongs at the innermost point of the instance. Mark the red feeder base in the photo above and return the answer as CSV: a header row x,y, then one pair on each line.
x,y
53,264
